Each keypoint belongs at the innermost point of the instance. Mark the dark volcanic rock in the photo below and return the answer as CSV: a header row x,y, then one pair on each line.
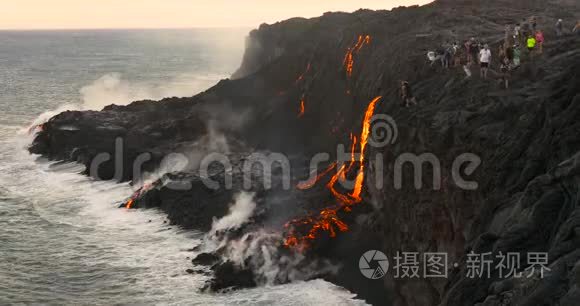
x,y
125,133
206,259
189,201
231,276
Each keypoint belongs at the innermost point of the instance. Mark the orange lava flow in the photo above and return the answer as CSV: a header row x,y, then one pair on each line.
x,y
364,138
328,221
348,62
137,194
302,108
129,204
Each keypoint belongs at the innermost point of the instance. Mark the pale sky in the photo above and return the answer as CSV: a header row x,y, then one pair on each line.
x,y
97,14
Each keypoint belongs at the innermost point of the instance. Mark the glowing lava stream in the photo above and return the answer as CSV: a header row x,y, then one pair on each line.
x,y
137,194
327,220
302,101
351,51
302,108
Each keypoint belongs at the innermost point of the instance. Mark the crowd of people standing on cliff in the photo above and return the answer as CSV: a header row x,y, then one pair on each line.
x,y
522,42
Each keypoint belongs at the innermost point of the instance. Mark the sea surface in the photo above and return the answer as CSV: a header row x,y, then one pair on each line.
x,y
62,238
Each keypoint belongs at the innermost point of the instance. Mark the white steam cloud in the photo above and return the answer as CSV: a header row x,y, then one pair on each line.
x,y
259,249
240,212
113,89
216,140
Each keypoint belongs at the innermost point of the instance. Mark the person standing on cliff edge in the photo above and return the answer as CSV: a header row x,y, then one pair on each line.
x,y
531,44
576,27
540,41
407,94
505,71
517,56
485,60
559,27
517,32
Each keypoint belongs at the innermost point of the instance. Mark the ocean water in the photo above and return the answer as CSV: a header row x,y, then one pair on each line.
x,y
62,238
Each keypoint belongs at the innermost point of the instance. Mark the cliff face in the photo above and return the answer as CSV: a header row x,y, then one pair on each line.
x,y
526,137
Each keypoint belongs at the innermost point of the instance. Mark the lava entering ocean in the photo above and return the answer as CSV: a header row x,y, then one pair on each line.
x,y
130,203
351,51
328,220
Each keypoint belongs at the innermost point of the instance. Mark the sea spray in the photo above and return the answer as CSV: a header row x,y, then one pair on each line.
x,y
111,88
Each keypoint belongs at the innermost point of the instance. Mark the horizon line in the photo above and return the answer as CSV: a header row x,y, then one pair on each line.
x,y
124,28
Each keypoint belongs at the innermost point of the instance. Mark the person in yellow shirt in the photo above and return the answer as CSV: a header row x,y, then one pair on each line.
x,y
531,43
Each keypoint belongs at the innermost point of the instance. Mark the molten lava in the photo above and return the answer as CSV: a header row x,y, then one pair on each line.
x,y
129,203
137,194
302,108
302,100
328,221
351,51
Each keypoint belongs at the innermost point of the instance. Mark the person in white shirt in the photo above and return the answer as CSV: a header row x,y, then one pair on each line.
x,y
559,27
433,57
517,32
485,60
